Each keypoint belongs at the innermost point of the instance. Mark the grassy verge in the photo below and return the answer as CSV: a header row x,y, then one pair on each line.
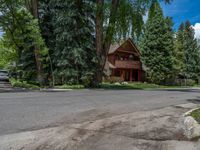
x,y
134,85
129,86
196,115
69,86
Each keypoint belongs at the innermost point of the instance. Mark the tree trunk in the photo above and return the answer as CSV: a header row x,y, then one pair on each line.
x,y
34,4
40,73
79,4
99,39
102,46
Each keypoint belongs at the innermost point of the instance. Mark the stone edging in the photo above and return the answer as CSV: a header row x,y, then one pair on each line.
x,y
191,126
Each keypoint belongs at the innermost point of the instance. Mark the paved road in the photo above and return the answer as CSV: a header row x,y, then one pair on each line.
x,y
24,111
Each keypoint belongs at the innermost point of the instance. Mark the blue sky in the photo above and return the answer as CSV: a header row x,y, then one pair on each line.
x,y
0,33
182,10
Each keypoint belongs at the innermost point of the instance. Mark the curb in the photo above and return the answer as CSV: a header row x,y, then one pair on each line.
x,y
55,90
191,126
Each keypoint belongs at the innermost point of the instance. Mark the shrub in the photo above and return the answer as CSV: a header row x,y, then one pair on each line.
x,y
23,84
88,79
190,82
115,79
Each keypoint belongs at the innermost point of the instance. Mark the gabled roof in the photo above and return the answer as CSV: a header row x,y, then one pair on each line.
x,y
116,46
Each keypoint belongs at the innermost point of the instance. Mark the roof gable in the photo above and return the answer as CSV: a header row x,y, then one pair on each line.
x,y
127,46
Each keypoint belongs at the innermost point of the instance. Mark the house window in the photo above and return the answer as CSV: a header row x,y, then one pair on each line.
x,y
131,57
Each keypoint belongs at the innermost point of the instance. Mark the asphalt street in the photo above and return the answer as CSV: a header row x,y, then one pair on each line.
x,y
27,111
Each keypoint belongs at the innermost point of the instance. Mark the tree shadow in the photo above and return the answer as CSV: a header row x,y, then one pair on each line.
x,y
179,90
194,101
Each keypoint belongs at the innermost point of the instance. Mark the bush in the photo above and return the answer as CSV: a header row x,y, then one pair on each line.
x,y
135,85
23,84
88,80
185,82
115,79
190,82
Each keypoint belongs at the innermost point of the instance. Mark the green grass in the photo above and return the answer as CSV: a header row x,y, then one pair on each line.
x,y
196,115
197,85
65,86
113,86
130,86
138,85
133,85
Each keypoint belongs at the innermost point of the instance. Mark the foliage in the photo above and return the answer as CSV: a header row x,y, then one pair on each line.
x,y
129,18
196,115
87,79
187,52
69,37
192,52
179,54
157,45
7,55
23,84
114,80
129,86
22,34
65,86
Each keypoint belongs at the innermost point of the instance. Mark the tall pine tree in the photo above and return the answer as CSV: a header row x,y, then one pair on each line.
x,y
179,54
157,45
71,42
192,53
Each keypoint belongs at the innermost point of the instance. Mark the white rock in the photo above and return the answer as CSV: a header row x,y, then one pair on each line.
x,y
191,127
124,83
117,83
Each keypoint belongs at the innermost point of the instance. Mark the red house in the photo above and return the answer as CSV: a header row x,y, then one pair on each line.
x,y
124,61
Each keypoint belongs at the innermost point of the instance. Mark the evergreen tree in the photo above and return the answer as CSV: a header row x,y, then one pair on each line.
x,y
179,54
73,53
157,45
191,51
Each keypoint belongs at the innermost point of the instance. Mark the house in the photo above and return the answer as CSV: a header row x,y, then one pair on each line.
x,y
123,61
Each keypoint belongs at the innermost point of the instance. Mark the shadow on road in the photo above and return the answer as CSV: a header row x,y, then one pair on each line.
x,y
179,90
195,101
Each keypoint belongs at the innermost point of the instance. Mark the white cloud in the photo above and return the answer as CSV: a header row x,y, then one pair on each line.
x,y
145,18
196,28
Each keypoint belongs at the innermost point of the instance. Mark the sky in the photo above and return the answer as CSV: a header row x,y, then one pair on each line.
x,y
182,10
1,33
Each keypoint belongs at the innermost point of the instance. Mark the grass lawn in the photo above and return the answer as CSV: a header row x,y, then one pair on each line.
x,y
196,115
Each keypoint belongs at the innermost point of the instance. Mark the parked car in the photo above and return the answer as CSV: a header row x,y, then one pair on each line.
x,y
4,75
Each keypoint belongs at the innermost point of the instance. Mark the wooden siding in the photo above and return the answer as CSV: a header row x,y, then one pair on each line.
x,y
128,64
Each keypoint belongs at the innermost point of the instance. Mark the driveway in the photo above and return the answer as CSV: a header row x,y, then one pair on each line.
x,y
101,119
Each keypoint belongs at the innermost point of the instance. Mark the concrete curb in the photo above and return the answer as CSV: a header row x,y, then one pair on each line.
x,y
55,90
191,126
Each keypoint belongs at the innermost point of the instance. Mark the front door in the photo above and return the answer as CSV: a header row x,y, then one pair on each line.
x,y
135,75
127,75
